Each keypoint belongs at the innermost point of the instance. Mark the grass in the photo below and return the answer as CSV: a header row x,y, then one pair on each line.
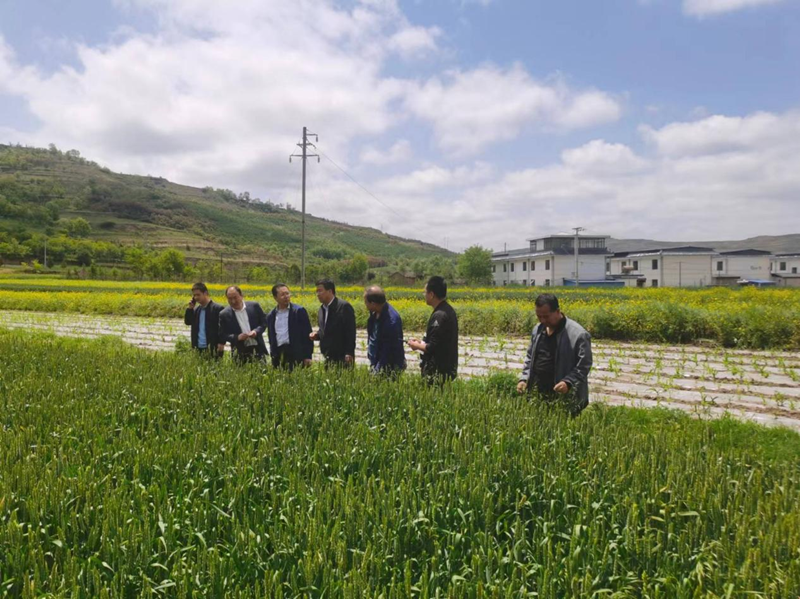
x,y
129,473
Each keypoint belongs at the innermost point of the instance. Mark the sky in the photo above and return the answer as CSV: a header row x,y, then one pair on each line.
x,y
457,122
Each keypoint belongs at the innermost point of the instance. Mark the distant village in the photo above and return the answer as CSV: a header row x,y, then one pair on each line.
x,y
554,261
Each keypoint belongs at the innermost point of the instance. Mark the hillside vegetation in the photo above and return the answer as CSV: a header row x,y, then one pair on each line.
x,y
75,202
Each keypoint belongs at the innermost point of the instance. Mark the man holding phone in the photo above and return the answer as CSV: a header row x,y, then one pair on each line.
x,y
202,314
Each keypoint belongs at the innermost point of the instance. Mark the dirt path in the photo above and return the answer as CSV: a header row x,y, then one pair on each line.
x,y
762,386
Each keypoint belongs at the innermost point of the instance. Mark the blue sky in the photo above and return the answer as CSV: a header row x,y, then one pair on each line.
x,y
483,121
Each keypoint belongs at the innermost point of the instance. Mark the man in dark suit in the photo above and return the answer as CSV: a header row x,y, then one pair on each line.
x,y
439,347
242,324
288,330
202,314
337,327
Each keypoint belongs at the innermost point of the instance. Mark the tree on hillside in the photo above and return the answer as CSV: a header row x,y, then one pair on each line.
x,y
77,227
475,265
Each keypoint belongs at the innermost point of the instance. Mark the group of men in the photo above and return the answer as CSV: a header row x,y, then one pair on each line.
x,y
556,366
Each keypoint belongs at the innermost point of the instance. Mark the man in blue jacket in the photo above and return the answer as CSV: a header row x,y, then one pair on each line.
x,y
385,333
288,329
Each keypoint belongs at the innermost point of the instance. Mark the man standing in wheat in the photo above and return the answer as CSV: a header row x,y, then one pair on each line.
x,y
559,358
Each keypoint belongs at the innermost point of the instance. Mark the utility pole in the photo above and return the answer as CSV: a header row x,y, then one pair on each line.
x,y
45,252
305,156
577,275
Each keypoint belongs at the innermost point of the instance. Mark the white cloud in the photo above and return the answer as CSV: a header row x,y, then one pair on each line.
x,y
719,134
603,157
399,152
687,190
414,41
469,110
705,8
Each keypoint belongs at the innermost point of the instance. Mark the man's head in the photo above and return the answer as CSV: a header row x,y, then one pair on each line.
x,y
235,297
547,310
282,295
374,299
435,291
326,291
200,294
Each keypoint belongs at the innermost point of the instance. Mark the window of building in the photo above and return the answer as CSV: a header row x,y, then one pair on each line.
x,y
505,267
534,244
654,283
719,265
794,270
783,266
524,266
512,267
547,265
524,282
590,242
493,267
655,264
547,282
635,265
533,282
533,264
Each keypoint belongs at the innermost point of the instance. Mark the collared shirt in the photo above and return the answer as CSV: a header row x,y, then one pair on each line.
x,y
325,313
544,364
282,327
202,341
244,324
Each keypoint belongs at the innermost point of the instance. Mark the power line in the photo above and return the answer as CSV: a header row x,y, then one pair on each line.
x,y
349,176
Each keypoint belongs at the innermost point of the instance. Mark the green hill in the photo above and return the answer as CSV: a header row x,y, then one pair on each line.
x,y
43,191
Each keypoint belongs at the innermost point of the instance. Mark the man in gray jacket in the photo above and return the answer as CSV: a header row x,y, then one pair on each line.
x,y
559,358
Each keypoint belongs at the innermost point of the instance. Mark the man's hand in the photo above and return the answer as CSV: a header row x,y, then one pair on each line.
x,y
243,336
562,387
220,347
314,336
348,359
307,362
416,344
522,387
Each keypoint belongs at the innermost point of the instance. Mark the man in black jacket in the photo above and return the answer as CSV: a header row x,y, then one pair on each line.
x,y
242,324
288,330
337,327
202,314
439,347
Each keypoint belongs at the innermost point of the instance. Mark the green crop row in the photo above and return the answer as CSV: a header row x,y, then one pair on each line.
x,y
127,473
747,318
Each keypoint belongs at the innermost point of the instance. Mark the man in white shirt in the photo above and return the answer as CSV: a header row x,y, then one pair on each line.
x,y
288,329
242,324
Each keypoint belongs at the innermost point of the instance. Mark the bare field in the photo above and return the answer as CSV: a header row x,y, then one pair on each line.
x,y
762,386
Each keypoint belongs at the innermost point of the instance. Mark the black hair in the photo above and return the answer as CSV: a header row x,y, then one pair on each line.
x,y
236,287
547,299
437,286
375,295
277,286
201,287
327,284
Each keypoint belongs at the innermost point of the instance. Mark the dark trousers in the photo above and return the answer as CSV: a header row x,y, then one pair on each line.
x,y
209,352
335,363
283,358
243,355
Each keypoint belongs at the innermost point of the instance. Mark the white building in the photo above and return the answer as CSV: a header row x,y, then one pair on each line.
x,y
547,261
734,266
786,269
687,266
